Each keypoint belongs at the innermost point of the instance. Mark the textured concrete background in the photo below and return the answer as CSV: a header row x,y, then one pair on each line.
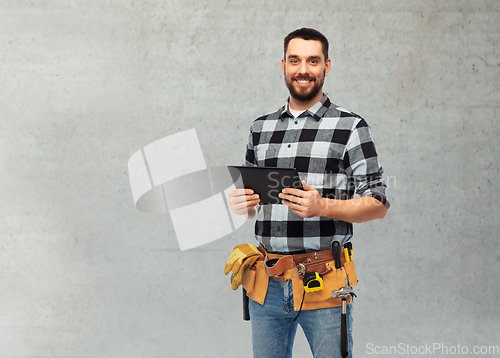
x,y
84,84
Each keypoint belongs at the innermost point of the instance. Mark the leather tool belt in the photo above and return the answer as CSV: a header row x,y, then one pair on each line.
x,y
303,263
293,267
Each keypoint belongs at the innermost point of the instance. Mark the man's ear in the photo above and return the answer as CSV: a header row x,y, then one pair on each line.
x,y
328,66
283,65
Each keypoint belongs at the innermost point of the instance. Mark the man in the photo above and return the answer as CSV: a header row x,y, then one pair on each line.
x,y
334,153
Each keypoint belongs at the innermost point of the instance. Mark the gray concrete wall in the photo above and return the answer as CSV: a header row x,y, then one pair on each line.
x,y
84,84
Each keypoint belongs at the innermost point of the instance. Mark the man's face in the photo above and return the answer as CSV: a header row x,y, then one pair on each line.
x,y
305,68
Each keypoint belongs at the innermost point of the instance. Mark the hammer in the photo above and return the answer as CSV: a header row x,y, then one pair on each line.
x,y
343,293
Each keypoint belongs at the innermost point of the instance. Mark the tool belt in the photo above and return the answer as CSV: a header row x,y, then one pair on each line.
x,y
317,261
294,267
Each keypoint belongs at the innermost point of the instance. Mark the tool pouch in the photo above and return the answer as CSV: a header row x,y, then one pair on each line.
x,y
276,267
351,273
333,280
255,281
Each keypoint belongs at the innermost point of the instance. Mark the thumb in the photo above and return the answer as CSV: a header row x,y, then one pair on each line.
x,y
306,186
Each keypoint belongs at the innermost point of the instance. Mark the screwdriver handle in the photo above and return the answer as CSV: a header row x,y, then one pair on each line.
x,y
336,254
246,313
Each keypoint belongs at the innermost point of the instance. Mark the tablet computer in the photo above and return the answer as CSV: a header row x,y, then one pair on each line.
x,y
268,182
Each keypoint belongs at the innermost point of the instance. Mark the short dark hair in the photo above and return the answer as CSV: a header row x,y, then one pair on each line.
x,y
307,34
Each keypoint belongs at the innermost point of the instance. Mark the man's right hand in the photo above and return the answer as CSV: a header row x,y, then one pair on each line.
x,y
244,202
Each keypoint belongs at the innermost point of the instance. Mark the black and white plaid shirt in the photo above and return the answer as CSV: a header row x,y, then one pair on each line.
x,y
333,150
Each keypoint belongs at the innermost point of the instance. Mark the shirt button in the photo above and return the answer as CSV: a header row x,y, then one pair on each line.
x,y
289,145
296,122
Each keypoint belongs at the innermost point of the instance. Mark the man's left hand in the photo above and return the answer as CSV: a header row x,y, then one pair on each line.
x,y
306,203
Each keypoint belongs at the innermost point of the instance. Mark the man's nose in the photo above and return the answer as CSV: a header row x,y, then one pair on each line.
x,y
303,69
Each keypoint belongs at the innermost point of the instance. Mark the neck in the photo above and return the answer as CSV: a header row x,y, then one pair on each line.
x,y
304,105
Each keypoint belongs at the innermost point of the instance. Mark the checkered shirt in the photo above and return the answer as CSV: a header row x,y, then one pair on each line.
x,y
333,150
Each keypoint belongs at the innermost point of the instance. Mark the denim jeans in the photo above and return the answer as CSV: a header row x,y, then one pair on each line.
x,y
273,328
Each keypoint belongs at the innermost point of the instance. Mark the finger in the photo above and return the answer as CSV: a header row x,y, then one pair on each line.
x,y
252,204
292,198
296,192
240,192
306,186
294,206
243,199
297,209
245,204
244,207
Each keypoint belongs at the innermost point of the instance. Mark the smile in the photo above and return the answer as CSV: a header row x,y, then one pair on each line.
x,y
303,82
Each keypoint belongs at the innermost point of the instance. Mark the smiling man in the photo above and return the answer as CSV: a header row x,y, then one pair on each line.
x,y
305,68
334,153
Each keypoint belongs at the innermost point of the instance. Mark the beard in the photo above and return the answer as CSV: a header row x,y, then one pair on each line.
x,y
304,94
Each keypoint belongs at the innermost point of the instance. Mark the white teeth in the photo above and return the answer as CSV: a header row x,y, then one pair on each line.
x,y
302,81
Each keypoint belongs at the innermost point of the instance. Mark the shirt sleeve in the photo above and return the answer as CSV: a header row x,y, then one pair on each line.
x,y
250,160
362,165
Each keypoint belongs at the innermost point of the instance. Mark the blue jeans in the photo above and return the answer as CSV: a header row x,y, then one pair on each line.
x,y
273,328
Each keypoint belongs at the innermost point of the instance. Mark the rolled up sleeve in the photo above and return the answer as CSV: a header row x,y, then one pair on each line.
x,y
362,165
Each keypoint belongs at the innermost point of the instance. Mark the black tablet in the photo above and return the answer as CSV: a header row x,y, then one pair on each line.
x,y
268,182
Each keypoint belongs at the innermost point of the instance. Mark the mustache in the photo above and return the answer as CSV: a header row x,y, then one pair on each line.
x,y
304,78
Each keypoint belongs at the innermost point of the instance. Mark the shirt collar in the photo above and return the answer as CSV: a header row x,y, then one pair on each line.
x,y
316,111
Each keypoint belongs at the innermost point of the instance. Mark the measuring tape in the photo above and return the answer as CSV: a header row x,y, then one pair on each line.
x,y
313,281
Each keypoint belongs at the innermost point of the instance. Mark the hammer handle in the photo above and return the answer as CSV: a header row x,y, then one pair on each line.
x,y
344,347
